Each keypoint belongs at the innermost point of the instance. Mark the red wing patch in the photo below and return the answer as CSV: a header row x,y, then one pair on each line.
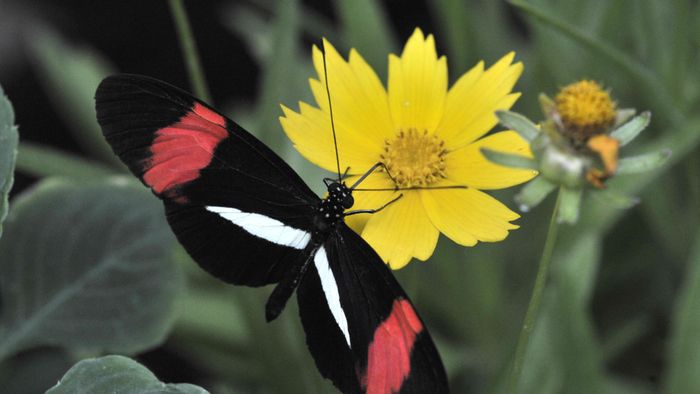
x,y
389,355
180,151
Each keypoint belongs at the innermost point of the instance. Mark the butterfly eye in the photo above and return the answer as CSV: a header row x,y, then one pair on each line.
x,y
348,201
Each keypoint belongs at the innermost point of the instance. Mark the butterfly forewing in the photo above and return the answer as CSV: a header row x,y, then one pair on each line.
x,y
238,209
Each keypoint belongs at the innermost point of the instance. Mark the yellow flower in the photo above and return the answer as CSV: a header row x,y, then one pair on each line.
x,y
428,138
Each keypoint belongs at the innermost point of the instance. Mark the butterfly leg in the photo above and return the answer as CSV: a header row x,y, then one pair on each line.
x,y
372,210
284,289
370,171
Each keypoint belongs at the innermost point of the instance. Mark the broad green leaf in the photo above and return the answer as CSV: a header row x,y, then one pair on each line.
x,y
519,124
86,266
70,76
34,371
8,153
32,159
684,350
630,130
116,375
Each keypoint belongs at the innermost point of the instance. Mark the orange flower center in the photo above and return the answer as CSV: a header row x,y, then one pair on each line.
x,y
414,158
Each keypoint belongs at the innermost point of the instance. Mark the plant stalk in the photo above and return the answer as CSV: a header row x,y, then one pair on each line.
x,y
535,301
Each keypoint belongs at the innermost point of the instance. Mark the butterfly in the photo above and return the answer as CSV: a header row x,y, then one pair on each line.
x,y
248,219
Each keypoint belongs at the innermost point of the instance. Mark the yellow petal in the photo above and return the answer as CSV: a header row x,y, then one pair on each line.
x,y
417,84
468,215
368,196
310,132
472,101
401,231
468,166
358,96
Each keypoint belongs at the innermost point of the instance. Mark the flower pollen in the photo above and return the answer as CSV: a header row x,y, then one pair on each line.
x,y
585,109
414,158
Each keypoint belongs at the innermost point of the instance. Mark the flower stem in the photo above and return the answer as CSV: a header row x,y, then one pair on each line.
x,y
535,301
189,50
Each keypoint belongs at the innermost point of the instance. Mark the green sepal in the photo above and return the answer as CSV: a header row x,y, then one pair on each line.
x,y
519,124
547,105
533,193
569,205
643,163
630,130
509,159
615,199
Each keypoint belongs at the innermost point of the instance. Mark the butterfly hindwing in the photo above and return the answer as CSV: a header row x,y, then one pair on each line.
x,y
362,329
236,206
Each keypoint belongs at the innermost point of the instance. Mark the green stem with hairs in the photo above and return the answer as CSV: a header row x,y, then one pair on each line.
x,y
535,301
189,50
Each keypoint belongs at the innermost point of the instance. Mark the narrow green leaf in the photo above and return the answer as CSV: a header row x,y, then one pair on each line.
x,y
518,123
630,130
456,30
649,81
43,161
70,76
570,205
189,50
367,28
533,193
116,375
643,163
277,82
509,160
8,153
684,350
86,266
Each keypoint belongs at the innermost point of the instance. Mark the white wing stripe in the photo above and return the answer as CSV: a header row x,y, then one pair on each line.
x,y
264,227
330,289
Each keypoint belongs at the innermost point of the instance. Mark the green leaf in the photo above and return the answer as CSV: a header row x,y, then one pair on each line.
x,y
518,123
533,193
684,350
32,159
86,267
70,76
614,199
650,84
630,130
367,28
643,163
8,153
570,205
509,160
454,17
116,375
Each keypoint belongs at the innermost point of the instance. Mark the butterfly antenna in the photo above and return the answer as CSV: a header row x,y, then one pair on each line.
x,y
330,110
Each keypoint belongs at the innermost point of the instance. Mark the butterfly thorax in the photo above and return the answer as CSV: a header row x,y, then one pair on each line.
x,y
331,209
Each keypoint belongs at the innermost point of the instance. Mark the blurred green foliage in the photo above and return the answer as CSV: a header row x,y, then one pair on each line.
x,y
621,310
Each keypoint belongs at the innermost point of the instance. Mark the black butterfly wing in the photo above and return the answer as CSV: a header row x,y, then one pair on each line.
x,y
236,207
361,328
